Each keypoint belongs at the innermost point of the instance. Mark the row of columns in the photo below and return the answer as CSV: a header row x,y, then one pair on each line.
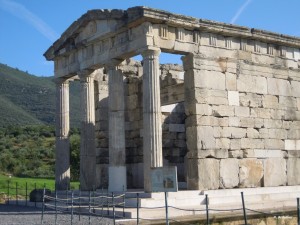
x,y
152,133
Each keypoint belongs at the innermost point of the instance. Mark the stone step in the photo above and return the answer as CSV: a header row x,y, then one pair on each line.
x,y
251,191
235,199
172,201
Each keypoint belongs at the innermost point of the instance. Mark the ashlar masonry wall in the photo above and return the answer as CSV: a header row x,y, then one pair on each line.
x,y
242,123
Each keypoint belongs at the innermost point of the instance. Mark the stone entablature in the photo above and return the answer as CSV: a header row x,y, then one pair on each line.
x,y
238,89
100,35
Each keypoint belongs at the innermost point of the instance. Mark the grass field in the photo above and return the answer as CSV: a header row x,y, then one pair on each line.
x,y
17,185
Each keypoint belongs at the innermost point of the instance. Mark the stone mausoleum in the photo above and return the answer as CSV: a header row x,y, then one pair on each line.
x,y
228,117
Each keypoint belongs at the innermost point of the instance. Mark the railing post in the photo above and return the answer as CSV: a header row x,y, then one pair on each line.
x,y
35,191
17,202
26,194
67,194
8,192
124,204
113,205
89,207
79,204
298,211
43,207
244,209
107,202
72,201
102,201
207,215
137,208
55,202
93,199
167,212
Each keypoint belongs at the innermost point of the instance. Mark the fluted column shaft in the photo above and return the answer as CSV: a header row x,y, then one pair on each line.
x,y
87,139
117,156
62,149
152,136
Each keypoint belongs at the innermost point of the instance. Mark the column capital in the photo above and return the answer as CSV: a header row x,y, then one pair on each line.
x,y
113,64
60,80
84,75
150,52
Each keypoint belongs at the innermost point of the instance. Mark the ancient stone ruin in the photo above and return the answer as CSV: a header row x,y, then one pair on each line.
x,y
229,117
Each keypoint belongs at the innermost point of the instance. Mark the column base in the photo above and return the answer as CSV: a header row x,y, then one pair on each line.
x,y
117,179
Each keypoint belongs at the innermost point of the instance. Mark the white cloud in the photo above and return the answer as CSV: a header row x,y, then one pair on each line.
x,y
23,13
240,10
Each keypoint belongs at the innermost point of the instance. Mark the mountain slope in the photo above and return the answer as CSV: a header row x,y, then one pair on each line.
x,y
27,99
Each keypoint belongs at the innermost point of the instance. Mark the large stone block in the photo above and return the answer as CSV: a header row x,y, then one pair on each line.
x,y
274,144
223,110
223,143
209,79
251,172
295,88
233,122
229,173
250,100
287,102
279,87
233,132
278,133
203,174
235,144
270,101
293,154
252,84
293,171
252,133
210,153
246,122
260,113
275,172
262,153
233,98
247,143
206,96
200,138
241,111
290,144
230,81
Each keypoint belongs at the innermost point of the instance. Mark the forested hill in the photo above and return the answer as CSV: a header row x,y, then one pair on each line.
x,y
26,99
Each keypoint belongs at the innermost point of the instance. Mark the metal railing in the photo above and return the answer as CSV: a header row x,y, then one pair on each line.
x,y
100,204
77,203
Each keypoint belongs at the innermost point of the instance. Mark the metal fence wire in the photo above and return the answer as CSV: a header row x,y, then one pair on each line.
x,y
76,203
102,204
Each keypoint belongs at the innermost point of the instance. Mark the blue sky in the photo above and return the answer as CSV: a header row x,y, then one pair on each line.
x,y
29,27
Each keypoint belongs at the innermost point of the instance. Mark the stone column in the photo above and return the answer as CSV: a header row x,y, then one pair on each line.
x,y
152,133
62,149
87,139
117,155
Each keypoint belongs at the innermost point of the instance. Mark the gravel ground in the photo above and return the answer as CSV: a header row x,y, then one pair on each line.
x,y
17,215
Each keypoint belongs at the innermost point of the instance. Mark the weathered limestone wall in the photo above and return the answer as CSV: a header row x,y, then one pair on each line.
x,y
243,116
173,120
